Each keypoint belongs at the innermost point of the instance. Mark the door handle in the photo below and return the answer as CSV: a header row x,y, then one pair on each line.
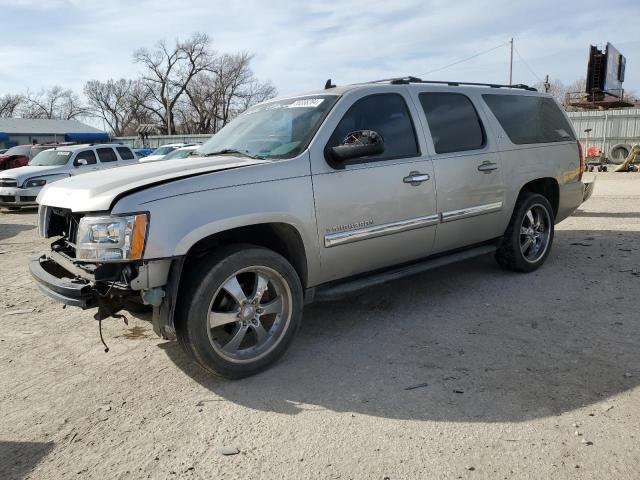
x,y
487,166
416,178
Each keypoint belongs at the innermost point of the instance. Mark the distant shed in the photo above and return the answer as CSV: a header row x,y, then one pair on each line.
x,y
23,131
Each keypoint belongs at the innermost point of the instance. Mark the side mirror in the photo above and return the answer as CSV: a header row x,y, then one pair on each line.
x,y
81,162
361,143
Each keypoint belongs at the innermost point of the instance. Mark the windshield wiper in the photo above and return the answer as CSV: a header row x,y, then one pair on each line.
x,y
231,150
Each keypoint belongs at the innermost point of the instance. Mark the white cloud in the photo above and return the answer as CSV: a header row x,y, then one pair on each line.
x,y
298,45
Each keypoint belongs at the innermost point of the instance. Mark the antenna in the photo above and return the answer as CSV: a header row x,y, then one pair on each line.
x,y
329,85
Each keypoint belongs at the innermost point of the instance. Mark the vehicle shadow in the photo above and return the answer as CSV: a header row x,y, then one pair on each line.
x,y
468,342
20,211
587,213
8,230
17,459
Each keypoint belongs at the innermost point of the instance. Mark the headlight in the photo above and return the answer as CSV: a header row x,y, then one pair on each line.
x,y
36,182
111,239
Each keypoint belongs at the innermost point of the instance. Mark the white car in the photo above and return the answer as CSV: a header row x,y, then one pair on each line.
x,y
19,187
161,152
184,152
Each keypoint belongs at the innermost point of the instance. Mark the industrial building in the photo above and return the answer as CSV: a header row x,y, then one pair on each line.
x,y
613,131
22,131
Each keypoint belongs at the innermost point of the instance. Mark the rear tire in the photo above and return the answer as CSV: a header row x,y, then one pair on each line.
x,y
527,241
240,309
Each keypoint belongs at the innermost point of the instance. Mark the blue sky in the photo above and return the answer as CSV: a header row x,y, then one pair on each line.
x,y
298,45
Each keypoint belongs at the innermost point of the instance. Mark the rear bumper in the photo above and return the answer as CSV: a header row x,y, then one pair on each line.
x,y
61,285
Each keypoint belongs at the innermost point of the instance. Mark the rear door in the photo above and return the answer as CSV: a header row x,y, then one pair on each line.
x,y
466,161
370,214
127,157
107,157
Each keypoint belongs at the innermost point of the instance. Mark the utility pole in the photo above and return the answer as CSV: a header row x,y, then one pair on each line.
x,y
511,64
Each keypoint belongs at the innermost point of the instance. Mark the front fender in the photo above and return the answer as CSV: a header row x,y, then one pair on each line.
x,y
178,222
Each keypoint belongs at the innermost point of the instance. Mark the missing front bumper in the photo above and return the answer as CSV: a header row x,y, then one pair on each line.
x,y
61,285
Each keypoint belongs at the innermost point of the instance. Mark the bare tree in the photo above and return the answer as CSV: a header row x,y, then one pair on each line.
x,y
9,104
169,71
213,99
120,103
55,103
560,91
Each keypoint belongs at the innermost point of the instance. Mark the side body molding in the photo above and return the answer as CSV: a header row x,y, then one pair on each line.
x,y
358,234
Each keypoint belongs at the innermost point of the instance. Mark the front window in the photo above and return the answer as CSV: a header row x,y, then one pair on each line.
x,y
386,114
280,129
50,158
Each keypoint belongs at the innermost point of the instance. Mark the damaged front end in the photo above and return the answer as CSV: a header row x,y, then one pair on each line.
x,y
96,262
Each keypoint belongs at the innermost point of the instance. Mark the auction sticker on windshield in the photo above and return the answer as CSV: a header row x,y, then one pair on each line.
x,y
307,102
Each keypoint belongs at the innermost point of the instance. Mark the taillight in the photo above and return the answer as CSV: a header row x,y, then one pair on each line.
x,y
581,155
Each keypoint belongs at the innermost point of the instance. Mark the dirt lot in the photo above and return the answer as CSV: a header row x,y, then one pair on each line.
x,y
527,376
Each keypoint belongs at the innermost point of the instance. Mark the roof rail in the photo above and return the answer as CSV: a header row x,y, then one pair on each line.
x,y
410,79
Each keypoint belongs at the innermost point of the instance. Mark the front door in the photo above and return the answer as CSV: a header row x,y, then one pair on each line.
x,y
85,161
466,162
380,210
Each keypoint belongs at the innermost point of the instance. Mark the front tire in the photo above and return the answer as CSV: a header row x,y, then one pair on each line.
x,y
240,310
527,241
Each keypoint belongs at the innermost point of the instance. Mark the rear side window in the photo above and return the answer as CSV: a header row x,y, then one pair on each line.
x,y
125,153
388,115
453,122
530,119
87,155
106,155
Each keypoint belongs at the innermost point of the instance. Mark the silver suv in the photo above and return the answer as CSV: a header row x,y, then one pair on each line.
x,y
312,197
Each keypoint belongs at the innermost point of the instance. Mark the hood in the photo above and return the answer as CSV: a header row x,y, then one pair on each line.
x,y
96,191
21,174
151,158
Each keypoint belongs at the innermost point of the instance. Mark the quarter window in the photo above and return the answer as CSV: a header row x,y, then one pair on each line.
x,y
87,155
453,122
530,119
386,114
106,155
125,153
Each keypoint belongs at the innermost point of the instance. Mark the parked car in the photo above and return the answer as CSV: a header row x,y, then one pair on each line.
x,y
2,150
15,157
142,152
309,198
19,187
183,152
161,152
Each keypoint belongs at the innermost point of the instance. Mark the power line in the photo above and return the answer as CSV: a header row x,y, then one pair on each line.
x,y
465,59
527,65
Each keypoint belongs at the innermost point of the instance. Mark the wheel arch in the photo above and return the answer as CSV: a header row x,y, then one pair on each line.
x,y
547,187
282,238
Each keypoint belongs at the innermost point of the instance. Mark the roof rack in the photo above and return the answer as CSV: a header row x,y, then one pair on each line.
x,y
410,79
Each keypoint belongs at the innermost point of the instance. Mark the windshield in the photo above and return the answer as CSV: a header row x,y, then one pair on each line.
x,y
181,154
50,158
279,129
20,150
37,150
163,150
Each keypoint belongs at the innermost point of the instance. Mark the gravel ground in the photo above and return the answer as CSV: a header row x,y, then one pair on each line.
x,y
515,376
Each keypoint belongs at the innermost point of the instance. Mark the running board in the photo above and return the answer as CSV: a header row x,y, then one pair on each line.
x,y
336,290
